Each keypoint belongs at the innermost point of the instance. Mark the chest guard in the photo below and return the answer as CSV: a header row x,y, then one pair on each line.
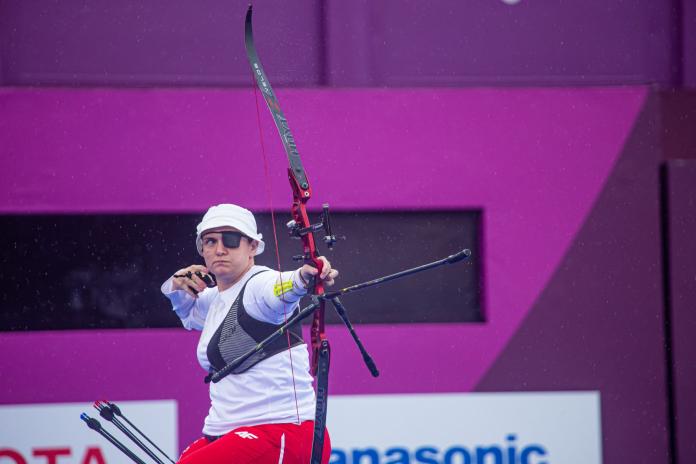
x,y
240,333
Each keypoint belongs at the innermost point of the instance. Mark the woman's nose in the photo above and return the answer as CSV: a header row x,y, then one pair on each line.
x,y
220,248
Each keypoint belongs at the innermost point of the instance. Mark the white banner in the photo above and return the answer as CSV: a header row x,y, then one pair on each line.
x,y
55,434
468,428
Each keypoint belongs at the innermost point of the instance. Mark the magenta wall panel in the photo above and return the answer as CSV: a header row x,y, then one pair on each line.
x,y
500,150
534,160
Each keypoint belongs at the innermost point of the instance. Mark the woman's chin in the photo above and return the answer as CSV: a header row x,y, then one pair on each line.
x,y
222,270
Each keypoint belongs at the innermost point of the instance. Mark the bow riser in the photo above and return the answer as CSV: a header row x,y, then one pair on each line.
x,y
299,214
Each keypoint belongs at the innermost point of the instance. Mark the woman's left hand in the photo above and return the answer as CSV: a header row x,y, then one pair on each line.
x,y
328,274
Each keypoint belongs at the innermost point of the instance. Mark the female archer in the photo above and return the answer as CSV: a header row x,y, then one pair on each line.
x,y
264,410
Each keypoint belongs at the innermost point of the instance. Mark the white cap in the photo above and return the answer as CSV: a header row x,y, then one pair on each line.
x,y
231,216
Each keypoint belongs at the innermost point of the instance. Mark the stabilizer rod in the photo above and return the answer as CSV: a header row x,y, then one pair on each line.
x,y
464,254
340,309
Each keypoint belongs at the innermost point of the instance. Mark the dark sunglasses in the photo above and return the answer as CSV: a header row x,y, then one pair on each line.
x,y
230,239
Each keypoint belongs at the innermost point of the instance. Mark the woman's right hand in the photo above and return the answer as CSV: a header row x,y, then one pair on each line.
x,y
192,284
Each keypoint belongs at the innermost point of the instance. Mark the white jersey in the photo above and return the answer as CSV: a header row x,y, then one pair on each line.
x,y
264,394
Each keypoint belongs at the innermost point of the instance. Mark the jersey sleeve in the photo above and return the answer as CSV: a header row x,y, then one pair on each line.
x,y
272,296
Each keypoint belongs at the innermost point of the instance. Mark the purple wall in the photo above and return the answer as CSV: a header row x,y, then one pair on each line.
x,y
158,42
598,323
486,42
357,43
677,116
537,161
689,42
681,193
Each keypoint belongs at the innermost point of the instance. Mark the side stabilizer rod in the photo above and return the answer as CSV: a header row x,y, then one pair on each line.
x,y
451,259
340,309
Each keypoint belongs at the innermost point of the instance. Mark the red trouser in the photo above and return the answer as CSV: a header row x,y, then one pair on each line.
x,y
260,444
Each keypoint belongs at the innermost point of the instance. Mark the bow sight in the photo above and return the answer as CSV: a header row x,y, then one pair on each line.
x,y
296,231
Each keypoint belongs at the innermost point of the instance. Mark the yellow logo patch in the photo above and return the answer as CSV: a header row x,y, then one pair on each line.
x,y
280,289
